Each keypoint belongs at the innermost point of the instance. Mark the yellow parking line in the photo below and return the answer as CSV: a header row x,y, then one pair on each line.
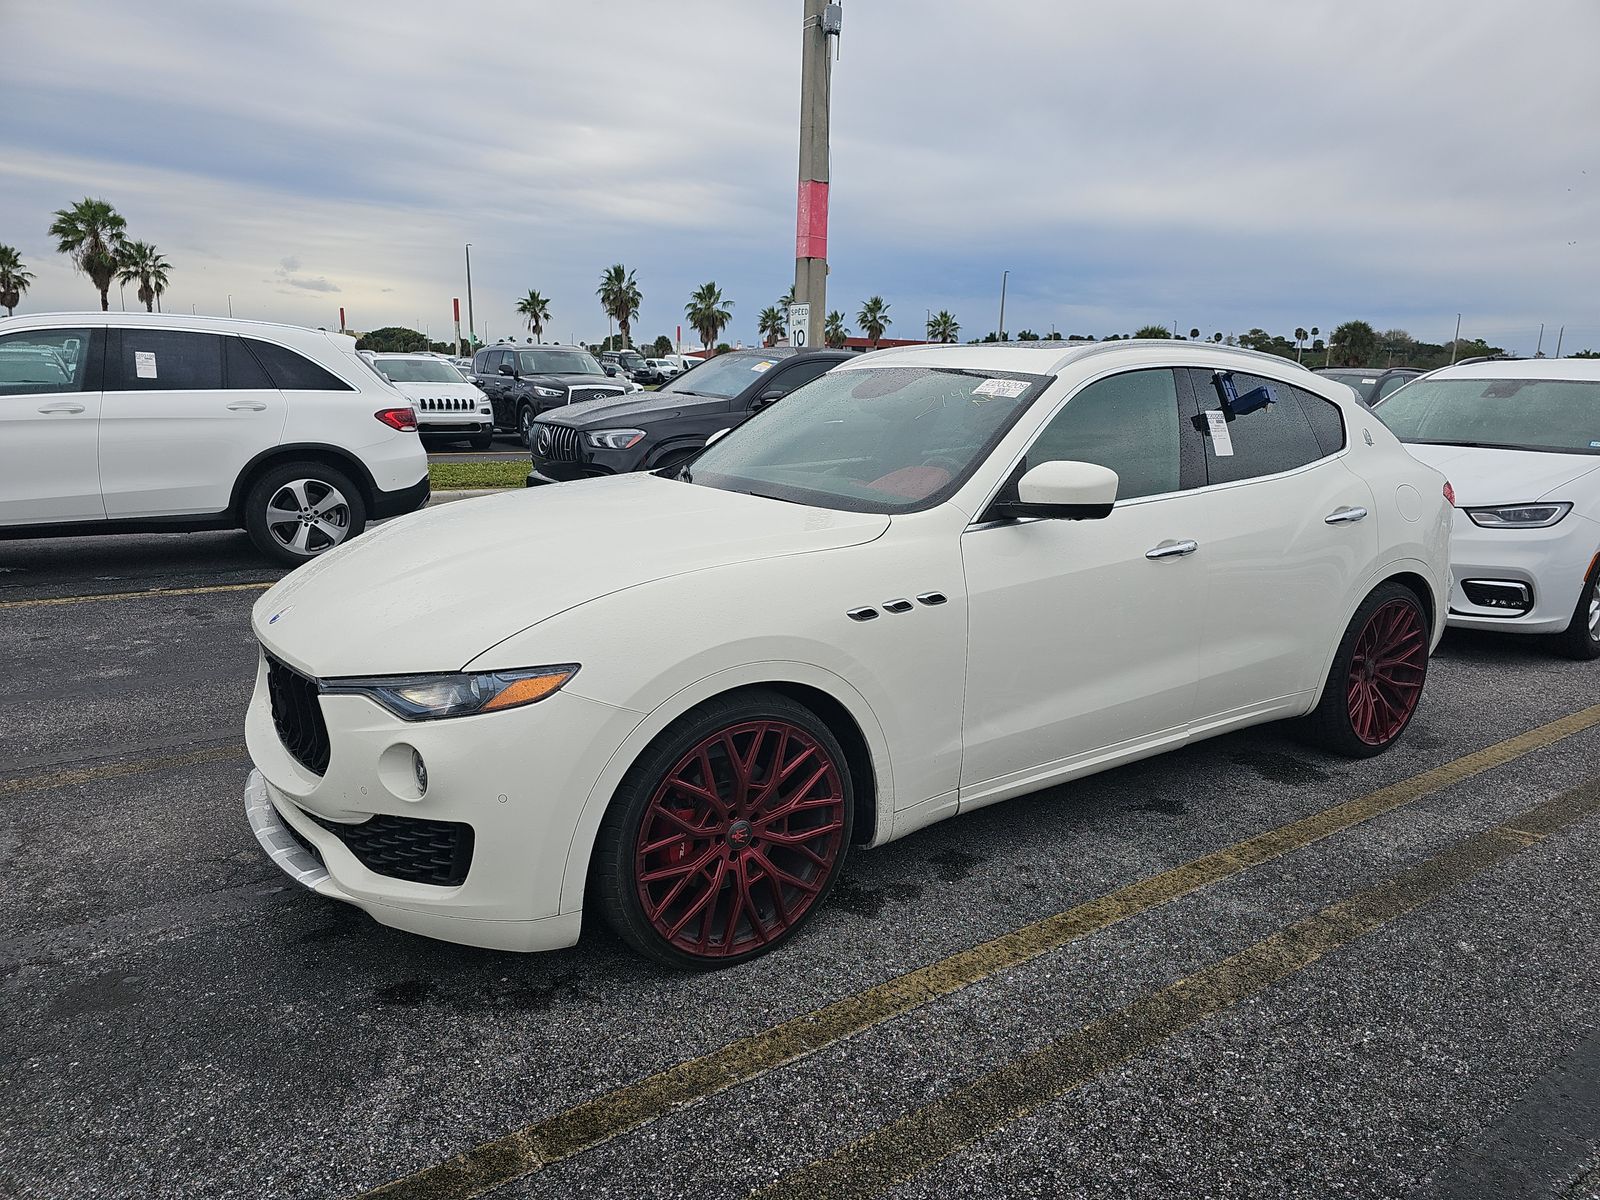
x,y
896,1152
138,766
150,594
527,1149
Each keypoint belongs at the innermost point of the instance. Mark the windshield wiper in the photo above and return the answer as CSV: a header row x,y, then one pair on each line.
x,y
1468,445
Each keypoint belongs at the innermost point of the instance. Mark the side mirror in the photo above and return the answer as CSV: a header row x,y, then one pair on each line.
x,y
1069,491
770,396
718,434
507,369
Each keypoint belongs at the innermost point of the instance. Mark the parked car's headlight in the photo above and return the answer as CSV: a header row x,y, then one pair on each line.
x,y
1520,516
548,393
459,694
615,439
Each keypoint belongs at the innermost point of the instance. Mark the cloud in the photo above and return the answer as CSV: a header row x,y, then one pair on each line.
x,y
1221,166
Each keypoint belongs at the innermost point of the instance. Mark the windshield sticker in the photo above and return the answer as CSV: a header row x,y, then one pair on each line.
x,y
144,364
1369,381
761,366
1594,445
1221,439
1009,388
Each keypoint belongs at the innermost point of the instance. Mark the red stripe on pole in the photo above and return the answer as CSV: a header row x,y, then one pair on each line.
x,y
341,319
456,303
811,224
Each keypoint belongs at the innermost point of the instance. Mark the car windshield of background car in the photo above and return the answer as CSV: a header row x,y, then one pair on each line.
x,y
418,370
557,362
1552,415
882,439
723,377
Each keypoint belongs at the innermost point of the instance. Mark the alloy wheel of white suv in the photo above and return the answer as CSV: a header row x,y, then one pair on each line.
x,y
302,509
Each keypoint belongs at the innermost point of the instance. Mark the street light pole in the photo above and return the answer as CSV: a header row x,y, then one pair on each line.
x,y
472,335
230,305
1455,342
1004,275
811,209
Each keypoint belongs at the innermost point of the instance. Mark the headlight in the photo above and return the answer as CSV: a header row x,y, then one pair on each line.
x,y
548,393
432,697
1520,516
615,439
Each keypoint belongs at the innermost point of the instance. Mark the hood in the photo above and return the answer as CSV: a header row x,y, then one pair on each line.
x,y
428,391
432,591
1483,477
581,380
633,406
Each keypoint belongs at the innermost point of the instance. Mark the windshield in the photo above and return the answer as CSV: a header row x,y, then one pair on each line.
x,y
1561,415
1365,383
882,439
557,362
417,370
631,360
723,377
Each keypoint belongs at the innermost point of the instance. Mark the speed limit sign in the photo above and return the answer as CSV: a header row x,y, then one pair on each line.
x,y
799,320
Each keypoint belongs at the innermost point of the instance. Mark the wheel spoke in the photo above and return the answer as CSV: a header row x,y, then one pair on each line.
x,y
707,896
281,516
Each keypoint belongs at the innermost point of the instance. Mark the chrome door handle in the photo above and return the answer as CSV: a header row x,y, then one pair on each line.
x,y
1171,549
247,406
62,406
1345,515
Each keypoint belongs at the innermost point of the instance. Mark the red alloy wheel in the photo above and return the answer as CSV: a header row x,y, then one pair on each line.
x,y
739,838
1387,667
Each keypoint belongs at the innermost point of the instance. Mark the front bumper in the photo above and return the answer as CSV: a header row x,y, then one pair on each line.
x,y
1551,563
519,778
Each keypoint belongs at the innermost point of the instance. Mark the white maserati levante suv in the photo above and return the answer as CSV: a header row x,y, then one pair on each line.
x,y
1521,443
932,579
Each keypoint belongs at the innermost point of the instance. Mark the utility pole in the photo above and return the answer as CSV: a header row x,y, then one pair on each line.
x,y
822,21
230,305
1001,332
472,335
1455,342
1538,351
1559,336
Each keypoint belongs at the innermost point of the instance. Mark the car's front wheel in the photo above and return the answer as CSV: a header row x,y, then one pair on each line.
x,y
1376,680
525,425
482,442
299,510
1581,639
727,834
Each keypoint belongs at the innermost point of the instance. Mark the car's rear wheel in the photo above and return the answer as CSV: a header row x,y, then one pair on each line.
x,y
727,834
1376,680
299,510
1581,639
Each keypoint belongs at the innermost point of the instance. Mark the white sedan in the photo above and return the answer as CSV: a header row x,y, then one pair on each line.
x,y
1520,441
930,580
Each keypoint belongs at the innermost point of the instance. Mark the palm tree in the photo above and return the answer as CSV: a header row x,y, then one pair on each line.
x,y
1356,342
142,263
708,312
874,319
1194,335
619,297
943,327
13,279
91,231
786,299
834,332
773,324
536,310
1153,331
1299,336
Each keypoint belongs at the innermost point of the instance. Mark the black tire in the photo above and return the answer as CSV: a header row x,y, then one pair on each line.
x,y
525,416
482,442
1581,638
1345,720
782,724
338,511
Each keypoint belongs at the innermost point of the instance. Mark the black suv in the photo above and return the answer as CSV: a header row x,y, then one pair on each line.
x,y
667,427
524,381
1371,384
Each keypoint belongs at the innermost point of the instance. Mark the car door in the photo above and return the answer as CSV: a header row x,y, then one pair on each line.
x,y
1084,636
1292,534
184,412
50,397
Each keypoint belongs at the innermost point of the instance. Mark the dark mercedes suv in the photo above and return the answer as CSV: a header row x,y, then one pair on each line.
x,y
651,430
524,381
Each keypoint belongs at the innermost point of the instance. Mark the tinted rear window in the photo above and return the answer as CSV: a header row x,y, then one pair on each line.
x,y
294,372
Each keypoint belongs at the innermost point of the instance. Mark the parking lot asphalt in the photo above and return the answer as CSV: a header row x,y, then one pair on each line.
x,y
1242,969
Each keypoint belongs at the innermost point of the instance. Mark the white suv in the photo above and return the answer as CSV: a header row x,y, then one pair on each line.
x,y
132,422
449,407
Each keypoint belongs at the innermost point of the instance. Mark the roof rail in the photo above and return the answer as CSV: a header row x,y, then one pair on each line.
x,y
1461,362
1089,349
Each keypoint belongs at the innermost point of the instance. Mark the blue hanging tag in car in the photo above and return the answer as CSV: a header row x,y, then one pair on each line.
x,y
1237,405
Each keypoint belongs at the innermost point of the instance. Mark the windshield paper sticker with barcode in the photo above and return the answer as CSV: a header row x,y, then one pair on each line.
x,y
1009,388
761,366
144,364
1221,439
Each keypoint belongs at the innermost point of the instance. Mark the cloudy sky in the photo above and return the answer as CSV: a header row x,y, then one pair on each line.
x,y
1215,165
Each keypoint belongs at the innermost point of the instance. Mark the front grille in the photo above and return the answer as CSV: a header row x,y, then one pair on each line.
x,y
559,443
409,848
448,404
591,393
297,715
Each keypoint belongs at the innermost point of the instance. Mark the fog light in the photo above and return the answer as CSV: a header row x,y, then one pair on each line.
x,y
419,769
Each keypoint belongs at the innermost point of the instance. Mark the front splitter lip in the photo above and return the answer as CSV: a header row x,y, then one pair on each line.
x,y
280,845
